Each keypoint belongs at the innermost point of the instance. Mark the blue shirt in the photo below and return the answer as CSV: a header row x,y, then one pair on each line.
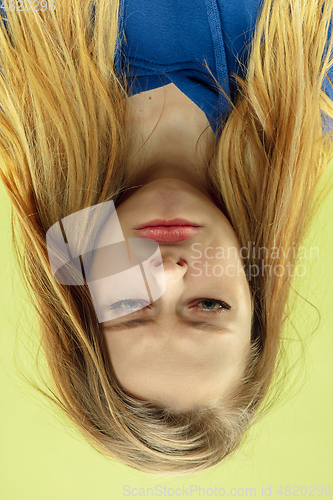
x,y
168,41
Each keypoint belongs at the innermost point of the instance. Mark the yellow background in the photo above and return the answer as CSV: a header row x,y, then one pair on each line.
x,y
44,458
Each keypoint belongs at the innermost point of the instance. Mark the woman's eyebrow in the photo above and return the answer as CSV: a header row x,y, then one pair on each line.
x,y
200,325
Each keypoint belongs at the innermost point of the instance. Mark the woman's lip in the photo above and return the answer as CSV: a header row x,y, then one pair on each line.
x,y
172,222
171,234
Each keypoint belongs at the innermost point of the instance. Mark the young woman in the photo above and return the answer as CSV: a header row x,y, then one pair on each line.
x,y
94,109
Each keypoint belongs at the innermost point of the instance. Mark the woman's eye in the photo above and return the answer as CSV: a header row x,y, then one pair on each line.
x,y
128,305
209,305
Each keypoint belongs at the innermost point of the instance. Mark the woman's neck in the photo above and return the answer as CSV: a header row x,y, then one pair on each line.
x,y
163,127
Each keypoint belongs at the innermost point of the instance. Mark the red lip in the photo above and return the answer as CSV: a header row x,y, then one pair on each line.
x,y
172,222
168,234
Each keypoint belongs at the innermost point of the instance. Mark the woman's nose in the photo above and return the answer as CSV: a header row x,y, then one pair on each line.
x,y
174,269
172,265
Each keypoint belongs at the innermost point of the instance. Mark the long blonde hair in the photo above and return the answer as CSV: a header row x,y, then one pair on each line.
x,y
62,149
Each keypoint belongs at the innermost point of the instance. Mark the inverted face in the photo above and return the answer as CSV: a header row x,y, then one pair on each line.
x,y
190,345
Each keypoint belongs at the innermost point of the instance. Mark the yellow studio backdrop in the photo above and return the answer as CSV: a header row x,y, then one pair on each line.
x,y
287,453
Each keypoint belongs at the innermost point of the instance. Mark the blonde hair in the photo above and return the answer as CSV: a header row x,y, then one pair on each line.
x,y
63,148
